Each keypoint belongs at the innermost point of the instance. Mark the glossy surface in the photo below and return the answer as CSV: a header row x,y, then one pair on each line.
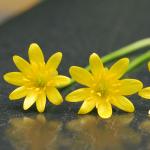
x,y
77,28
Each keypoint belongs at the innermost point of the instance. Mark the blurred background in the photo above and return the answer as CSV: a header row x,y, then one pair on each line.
x,y
77,28
11,8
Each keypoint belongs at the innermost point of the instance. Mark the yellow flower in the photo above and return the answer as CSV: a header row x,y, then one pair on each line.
x,y
145,92
37,79
103,87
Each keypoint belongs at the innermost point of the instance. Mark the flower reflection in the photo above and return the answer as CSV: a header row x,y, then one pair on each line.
x,y
92,133
145,126
34,134
145,132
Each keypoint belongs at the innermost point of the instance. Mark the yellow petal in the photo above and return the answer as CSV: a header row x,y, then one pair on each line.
x,y
78,95
145,93
149,66
54,61
18,93
36,54
104,109
129,86
87,106
15,78
41,102
60,81
119,68
30,99
123,103
21,64
96,65
81,75
54,96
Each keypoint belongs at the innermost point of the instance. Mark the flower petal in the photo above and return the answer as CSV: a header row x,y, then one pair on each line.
x,y
18,93
36,54
15,78
54,96
78,95
41,102
30,99
54,61
129,86
119,68
104,109
96,65
145,93
21,64
60,81
81,75
87,106
123,103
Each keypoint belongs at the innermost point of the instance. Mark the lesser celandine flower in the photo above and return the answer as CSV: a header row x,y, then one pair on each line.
x,y
103,87
37,79
145,92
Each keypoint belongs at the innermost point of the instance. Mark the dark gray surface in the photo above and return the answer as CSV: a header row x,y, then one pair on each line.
x,y
78,28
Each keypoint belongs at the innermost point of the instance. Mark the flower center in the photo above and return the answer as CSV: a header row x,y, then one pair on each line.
x,y
40,82
101,89
41,77
101,92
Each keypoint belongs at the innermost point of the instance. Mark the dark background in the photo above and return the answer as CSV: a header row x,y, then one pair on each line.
x,y
77,28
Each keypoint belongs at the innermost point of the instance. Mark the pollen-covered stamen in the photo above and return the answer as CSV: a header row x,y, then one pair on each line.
x,y
101,89
40,82
99,93
102,92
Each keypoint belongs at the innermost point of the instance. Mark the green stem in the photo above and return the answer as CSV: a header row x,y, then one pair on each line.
x,y
139,60
138,45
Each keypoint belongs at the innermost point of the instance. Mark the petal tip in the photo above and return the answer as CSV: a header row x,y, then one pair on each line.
x,y
59,53
105,117
126,60
140,93
40,110
145,93
11,97
34,45
80,112
72,69
67,98
15,57
5,76
93,55
132,109
25,107
140,85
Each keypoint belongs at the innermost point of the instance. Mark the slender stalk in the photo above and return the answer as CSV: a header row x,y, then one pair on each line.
x,y
138,45
139,60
